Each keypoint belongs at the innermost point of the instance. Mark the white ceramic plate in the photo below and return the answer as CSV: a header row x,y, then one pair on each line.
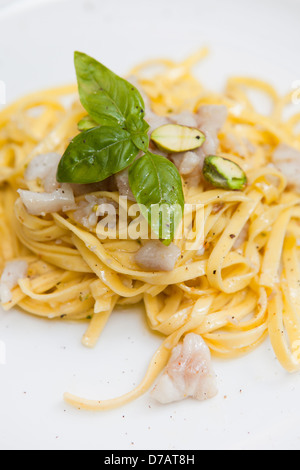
x,y
258,402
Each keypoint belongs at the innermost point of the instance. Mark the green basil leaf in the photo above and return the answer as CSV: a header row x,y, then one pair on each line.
x,y
157,187
96,154
141,141
136,125
87,123
138,129
108,98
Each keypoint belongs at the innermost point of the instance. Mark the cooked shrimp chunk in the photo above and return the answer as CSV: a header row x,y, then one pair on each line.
x,y
13,272
155,256
287,160
44,168
189,373
62,199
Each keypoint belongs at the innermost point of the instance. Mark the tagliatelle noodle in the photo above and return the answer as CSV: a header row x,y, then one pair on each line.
x,y
232,294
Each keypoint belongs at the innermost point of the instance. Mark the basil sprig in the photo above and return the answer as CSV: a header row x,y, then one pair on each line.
x,y
112,136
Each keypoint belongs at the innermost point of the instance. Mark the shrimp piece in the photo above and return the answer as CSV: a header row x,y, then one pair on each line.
x,y
287,160
210,120
62,199
155,256
189,373
13,272
44,167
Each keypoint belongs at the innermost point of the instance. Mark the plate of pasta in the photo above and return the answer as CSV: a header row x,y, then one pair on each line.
x,y
150,230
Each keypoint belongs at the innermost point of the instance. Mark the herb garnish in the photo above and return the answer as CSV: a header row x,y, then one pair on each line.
x,y
113,135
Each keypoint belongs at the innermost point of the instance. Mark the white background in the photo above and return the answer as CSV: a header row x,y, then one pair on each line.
x,y
258,403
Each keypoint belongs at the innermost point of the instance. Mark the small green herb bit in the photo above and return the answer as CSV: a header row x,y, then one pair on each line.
x,y
177,138
223,173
